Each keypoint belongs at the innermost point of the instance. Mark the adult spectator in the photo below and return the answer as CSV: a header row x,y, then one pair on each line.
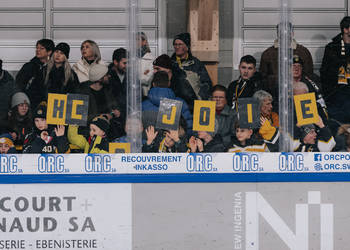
x,y
117,80
146,63
312,83
269,62
90,55
161,89
192,79
30,77
101,100
247,84
7,85
335,74
225,116
60,78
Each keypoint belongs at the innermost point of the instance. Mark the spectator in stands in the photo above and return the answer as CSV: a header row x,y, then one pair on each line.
x,y
117,80
312,81
207,141
269,131
245,140
90,55
172,141
30,78
146,63
313,138
132,125
192,79
6,144
335,74
7,85
161,89
45,138
60,78
247,84
269,62
97,142
20,121
225,116
265,101
101,100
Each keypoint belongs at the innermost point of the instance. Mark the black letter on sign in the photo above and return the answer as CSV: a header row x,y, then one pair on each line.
x,y
204,113
58,109
306,109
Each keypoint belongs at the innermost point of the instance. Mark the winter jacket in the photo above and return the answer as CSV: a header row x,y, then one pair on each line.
x,y
118,90
55,144
7,86
251,145
146,64
269,65
153,102
214,146
226,120
190,80
243,88
82,68
56,80
100,102
324,142
30,80
94,145
331,63
22,126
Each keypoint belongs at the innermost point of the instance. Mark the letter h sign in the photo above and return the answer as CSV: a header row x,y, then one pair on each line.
x,y
67,109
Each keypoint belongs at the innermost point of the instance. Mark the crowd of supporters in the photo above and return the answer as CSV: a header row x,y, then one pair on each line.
x,y
181,77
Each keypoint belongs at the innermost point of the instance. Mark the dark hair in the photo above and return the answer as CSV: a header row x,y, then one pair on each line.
x,y
344,23
161,79
248,59
48,44
219,87
119,54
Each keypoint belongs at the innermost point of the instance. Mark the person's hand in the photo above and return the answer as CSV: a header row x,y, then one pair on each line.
x,y
44,135
174,135
320,123
146,72
193,144
200,145
59,130
151,134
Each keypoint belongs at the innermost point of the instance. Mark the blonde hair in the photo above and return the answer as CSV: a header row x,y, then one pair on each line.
x,y
66,68
95,49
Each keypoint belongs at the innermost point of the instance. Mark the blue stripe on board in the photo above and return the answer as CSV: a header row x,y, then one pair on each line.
x,y
175,178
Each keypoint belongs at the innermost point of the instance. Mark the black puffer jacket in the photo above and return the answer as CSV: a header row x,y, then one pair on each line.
x,y
7,86
30,80
191,80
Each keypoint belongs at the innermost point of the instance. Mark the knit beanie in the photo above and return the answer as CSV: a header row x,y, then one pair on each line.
x,y
97,71
297,59
19,98
163,61
64,47
101,122
40,112
304,130
6,139
185,37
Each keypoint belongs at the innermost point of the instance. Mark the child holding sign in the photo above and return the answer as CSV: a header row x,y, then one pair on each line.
x,y
97,142
45,138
